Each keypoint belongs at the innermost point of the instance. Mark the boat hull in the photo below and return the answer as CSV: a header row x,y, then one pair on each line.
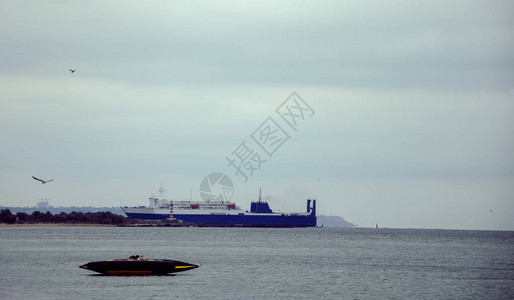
x,y
126,267
257,220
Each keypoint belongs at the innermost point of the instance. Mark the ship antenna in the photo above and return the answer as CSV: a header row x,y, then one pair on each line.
x,y
162,190
260,200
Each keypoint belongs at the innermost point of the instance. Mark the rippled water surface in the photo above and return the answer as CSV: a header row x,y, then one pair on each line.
x,y
259,263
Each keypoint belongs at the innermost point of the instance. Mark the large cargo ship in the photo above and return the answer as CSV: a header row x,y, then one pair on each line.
x,y
221,213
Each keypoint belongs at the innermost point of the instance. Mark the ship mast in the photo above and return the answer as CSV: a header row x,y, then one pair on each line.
x,y
260,200
162,190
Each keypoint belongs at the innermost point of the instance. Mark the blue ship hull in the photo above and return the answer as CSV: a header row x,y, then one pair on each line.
x,y
260,215
256,220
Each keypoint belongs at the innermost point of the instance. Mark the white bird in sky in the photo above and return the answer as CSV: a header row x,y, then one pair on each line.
x,y
42,181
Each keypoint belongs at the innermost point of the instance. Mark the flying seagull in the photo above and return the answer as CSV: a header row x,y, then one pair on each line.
x,y
42,181
72,70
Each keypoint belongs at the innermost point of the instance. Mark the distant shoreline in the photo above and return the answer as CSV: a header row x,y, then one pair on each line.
x,y
4,225
141,224
154,224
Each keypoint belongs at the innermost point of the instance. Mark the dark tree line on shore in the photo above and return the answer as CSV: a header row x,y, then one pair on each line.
x,y
103,217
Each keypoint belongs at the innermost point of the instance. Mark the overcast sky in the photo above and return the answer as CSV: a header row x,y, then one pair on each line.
x,y
408,105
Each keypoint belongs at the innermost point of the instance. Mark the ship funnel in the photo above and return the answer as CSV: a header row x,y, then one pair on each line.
x,y
311,209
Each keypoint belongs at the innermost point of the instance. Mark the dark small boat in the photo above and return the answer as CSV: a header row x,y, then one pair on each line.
x,y
138,265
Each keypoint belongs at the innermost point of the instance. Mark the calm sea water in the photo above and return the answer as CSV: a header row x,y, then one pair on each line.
x,y
258,263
